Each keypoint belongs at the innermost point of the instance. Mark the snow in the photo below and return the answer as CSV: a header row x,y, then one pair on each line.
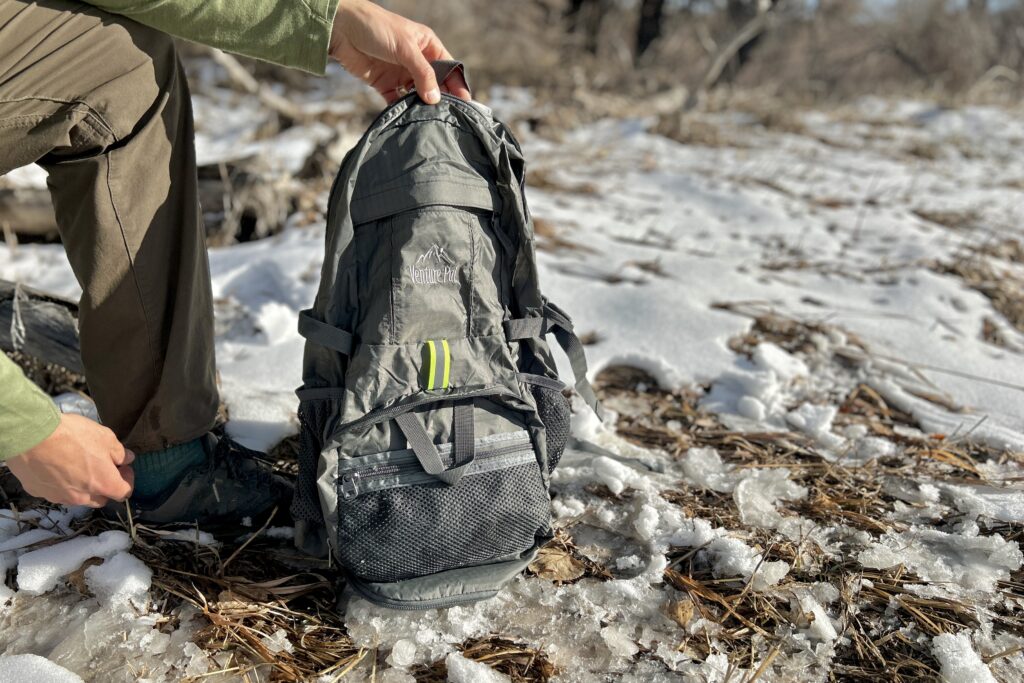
x,y
24,668
40,570
403,654
819,625
462,670
746,223
278,642
121,579
960,663
967,558
757,493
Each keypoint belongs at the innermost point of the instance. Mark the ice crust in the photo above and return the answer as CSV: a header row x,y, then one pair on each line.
x,y
968,559
960,663
462,670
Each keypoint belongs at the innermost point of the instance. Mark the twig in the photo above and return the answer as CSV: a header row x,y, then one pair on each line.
x,y
248,541
244,80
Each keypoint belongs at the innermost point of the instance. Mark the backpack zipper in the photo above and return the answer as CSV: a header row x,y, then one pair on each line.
x,y
350,481
381,414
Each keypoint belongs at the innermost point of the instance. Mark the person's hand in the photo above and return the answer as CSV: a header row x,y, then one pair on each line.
x,y
390,52
81,463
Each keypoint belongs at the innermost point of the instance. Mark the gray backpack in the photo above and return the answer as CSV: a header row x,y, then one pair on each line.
x,y
431,413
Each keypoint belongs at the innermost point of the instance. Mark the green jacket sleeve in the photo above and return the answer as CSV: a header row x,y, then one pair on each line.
x,y
293,33
27,415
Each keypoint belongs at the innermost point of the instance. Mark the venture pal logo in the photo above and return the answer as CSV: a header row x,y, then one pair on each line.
x,y
434,267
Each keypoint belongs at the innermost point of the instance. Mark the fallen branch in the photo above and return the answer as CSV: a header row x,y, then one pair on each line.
x,y
245,81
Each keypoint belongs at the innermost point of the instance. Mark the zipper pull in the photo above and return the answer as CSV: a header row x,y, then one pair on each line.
x,y
350,485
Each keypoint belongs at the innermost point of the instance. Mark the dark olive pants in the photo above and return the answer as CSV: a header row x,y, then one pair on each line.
x,y
101,103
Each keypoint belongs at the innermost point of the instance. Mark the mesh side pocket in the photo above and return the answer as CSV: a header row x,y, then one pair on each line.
x,y
313,416
401,533
553,409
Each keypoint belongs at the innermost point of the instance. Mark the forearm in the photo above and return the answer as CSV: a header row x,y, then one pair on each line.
x,y
27,415
294,33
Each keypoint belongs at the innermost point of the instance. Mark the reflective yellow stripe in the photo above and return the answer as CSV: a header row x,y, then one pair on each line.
x,y
447,363
432,366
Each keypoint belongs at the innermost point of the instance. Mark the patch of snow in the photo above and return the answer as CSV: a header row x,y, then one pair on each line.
x,y
759,490
704,468
34,669
958,659
462,670
816,422
970,560
40,570
403,654
191,535
121,580
278,642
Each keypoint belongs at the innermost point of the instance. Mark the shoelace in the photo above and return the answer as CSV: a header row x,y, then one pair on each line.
x,y
232,457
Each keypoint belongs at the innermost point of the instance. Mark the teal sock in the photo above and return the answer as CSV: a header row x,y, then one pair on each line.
x,y
157,471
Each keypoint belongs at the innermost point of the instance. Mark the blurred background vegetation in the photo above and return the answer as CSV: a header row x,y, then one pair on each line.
x,y
811,49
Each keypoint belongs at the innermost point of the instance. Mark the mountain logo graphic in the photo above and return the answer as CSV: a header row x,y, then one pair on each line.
x,y
434,267
437,253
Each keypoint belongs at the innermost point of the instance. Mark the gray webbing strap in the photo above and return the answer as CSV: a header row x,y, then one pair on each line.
x,y
463,450
542,381
323,334
426,451
525,328
556,321
570,343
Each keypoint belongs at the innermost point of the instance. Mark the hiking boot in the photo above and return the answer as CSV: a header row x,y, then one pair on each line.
x,y
232,484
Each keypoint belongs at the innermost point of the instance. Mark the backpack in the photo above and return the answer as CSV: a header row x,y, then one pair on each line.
x,y
431,415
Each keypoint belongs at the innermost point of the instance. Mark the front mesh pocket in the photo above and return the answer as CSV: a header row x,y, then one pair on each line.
x,y
427,527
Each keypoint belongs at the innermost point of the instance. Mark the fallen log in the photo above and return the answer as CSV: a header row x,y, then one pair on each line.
x,y
39,325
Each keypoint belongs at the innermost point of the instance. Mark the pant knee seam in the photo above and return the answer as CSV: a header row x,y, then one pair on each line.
x,y
147,318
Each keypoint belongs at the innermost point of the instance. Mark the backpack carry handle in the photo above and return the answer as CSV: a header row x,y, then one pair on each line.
x,y
463,447
444,68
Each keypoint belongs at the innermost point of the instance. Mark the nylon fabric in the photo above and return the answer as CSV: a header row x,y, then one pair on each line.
x,y
324,334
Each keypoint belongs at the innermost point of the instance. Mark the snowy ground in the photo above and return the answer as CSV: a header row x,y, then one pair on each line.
x,y
772,285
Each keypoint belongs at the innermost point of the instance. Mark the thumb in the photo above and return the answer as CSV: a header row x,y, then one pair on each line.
x,y
422,73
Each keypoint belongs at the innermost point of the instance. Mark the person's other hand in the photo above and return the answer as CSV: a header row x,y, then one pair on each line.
x,y
81,463
390,52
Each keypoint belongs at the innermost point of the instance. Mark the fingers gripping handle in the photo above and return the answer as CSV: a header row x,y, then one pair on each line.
x,y
444,68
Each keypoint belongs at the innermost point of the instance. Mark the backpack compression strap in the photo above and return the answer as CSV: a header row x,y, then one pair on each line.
x,y
323,334
555,320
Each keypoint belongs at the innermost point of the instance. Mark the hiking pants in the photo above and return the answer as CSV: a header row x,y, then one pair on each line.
x,y
101,103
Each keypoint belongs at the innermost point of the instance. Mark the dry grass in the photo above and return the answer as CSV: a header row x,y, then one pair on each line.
x,y
887,627
546,179
1004,288
522,663
51,378
552,238
248,590
1008,249
954,220
690,130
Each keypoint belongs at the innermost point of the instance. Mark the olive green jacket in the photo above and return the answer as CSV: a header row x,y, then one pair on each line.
x,y
294,33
